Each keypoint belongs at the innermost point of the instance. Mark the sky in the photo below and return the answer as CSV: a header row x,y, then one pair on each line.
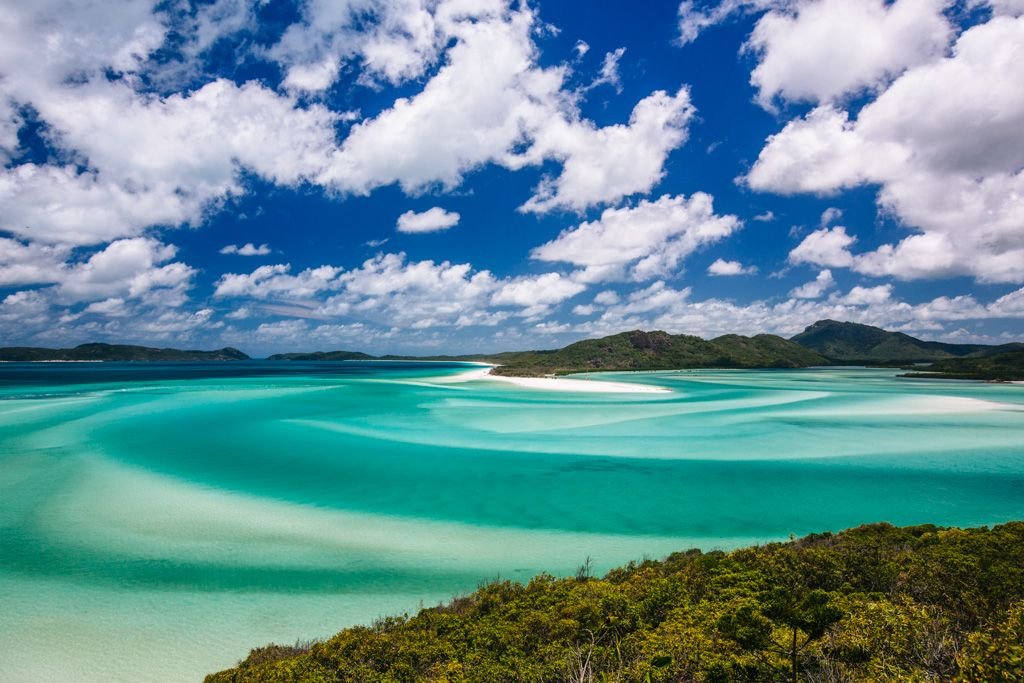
x,y
448,176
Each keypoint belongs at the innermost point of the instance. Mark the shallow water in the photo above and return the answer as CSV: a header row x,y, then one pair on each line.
x,y
157,520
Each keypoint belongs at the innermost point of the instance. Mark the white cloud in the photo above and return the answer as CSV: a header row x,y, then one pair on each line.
x,y
274,281
581,48
693,20
247,249
389,290
640,242
830,216
129,268
816,287
392,40
10,123
549,288
164,162
600,165
432,220
944,144
825,247
726,268
766,217
866,296
30,263
23,310
490,103
820,50
609,71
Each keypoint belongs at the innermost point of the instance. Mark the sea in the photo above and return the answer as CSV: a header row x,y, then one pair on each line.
x,y
158,520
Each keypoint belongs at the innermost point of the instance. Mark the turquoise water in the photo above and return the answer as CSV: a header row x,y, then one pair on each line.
x,y
156,521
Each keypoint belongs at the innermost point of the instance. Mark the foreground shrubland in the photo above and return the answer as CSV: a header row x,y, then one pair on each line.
x,y
875,603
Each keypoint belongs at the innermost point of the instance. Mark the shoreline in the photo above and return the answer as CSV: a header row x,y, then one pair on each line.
x,y
563,384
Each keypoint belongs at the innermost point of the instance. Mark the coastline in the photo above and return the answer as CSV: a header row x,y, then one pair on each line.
x,y
564,384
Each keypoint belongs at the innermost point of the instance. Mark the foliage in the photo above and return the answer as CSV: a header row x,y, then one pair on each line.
x,y
875,603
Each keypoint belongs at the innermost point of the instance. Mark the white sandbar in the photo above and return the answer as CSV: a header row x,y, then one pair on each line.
x,y
598,386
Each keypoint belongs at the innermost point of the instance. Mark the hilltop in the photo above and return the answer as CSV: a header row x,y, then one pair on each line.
x,y
854,343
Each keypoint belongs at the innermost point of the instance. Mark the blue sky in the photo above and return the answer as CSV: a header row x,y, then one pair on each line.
x,y
472,175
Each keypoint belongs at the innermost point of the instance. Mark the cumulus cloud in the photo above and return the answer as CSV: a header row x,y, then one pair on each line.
x,y
866,296
145,158
600,165
133,268
432,220
820,50
943,143
825,247
247,249
726,268
30,263
816,287
549,288
490,102
275,281
165,162
641,242
390,290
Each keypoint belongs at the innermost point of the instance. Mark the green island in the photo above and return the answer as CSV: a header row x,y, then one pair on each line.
x,y
115,353
826,342
873,603
998,367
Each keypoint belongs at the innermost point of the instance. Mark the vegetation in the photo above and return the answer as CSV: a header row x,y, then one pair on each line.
x,y
857,344
322,355
823,343
115,352
640,350
1000,367
875,603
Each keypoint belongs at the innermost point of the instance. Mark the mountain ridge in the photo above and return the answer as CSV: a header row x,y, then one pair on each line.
x,y
856,342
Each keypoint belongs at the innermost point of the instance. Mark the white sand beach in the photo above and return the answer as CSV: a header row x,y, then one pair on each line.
x,y
597,386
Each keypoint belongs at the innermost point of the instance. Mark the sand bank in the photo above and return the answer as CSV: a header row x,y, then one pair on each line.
x,y
599,386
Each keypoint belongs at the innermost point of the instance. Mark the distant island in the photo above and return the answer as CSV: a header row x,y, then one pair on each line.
x,y
874,603
115,353
826,342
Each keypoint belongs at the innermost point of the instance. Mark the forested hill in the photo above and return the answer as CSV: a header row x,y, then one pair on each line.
x,y
115,352
998,367
854,343
826,342
875,603
323,355
639,350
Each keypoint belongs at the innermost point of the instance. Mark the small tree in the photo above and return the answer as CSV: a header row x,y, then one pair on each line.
x,y
805,615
